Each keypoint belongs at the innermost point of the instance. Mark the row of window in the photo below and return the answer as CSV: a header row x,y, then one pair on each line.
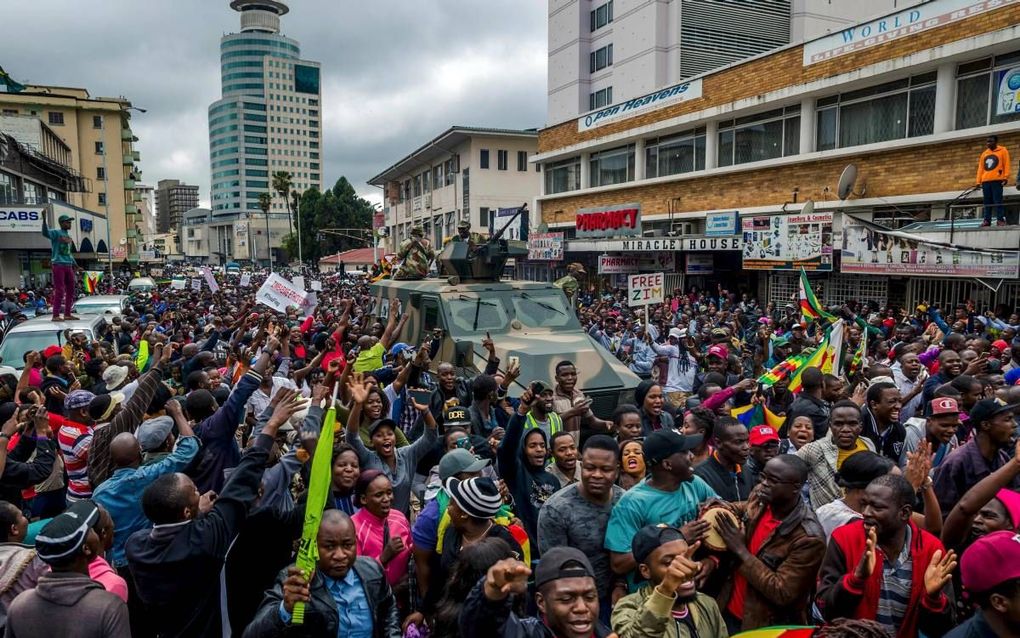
x,y
260,42
502,160
601,98
600,58
601,15
228,88
894,110
56,118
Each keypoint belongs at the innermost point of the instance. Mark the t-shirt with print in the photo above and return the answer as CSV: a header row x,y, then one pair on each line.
x,y
645,505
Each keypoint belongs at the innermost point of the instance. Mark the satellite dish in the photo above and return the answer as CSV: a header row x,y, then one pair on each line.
x,y
809,207
846,182
123,241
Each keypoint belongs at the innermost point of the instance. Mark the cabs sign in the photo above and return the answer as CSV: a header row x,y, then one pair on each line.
x,y
21,219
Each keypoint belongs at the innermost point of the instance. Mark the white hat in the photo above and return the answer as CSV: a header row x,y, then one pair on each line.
x,y
679,333
115,376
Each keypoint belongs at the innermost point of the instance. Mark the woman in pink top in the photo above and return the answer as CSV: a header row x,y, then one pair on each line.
x,y
383,533
100,570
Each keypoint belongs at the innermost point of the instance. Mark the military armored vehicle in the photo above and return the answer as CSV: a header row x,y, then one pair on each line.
x,y
531,321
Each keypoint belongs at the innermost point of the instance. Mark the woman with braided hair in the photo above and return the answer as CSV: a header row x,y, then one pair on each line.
x,y
852,628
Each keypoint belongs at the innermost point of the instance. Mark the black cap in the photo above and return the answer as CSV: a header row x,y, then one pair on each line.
x,y
988,408
562,562
378,423
662,444
651,537
66,533
456,415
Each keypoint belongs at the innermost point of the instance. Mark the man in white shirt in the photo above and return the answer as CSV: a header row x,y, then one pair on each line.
x,y
683,367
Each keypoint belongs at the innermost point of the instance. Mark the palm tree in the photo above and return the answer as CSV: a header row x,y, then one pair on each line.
x,y
282,183
265,201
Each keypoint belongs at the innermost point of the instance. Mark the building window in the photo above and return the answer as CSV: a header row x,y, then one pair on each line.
x,y
890,111
10,111
613,166
522,161
601,16
99,148
600,58
437,176
483,158
681,153
563,176
97,121
502,159
7,190
483,217
760,137
600,98
977,92
102,199
100,173
426,181
56,118
417,186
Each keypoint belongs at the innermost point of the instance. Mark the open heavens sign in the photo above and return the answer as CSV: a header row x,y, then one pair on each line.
x,y
657,99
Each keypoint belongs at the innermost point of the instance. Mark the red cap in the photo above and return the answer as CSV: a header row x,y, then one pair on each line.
x,y
1000,345
718,350
990,561
762,434
52,351
943,405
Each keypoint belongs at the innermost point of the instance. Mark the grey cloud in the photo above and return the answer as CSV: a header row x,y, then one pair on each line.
x,y
395,72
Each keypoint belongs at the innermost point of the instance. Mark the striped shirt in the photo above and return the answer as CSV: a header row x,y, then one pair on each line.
x,y
897,581
75,439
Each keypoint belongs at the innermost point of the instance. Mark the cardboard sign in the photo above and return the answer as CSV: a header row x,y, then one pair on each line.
x,y
178,284
209,279
299,282
196,285
280,294
645,289
246,280
317,286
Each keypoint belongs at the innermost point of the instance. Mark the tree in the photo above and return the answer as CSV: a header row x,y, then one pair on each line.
x,y
282,183
265,201
338,207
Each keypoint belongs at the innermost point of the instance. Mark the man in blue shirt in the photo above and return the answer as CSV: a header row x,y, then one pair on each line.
x,y
346,596
63,267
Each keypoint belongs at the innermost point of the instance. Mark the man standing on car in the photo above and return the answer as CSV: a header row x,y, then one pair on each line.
x,y
63,267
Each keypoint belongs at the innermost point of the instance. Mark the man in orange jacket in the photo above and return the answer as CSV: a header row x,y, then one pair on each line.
x,y
992,177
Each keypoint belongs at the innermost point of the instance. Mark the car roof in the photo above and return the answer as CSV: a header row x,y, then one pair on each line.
x,y
142,280
98,300
45,323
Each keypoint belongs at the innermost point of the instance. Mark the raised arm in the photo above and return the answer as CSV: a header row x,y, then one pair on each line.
x,y
961,517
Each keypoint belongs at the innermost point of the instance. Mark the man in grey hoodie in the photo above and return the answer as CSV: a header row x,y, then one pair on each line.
x,y
66,602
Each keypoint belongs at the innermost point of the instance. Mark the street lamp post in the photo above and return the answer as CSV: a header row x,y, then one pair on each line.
x,y
297,210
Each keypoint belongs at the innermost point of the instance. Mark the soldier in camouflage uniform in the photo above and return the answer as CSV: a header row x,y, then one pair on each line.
x,y
569,283
415,256
464,234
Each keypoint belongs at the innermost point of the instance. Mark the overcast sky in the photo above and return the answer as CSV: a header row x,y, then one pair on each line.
x,y
395,73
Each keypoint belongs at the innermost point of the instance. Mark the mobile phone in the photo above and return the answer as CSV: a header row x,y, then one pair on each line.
x,y
421,396
513,361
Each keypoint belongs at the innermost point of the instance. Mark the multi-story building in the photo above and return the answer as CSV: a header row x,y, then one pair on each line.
x,y
609,51
36,181
173,199
268,119
100,145
714,174
466,173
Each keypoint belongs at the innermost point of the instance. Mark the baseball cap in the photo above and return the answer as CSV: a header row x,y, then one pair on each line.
x,y
796,326
719,332
152,432
562,562
78,399
101,407
65,218
398,348
990,561
378,423
539,387
66,533
662,444
943,405
718,350
1000,345
677,333
988,408
460,460
762,434
115,376
1011,502
477,497
651,537
456,415
779,342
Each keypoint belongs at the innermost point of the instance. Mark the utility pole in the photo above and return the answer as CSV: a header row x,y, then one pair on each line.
x,y
297,211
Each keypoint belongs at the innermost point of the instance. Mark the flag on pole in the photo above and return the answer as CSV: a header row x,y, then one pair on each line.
x,y
9,84
810,308
858,360
794,366
757,414
90,281
832,360
319,487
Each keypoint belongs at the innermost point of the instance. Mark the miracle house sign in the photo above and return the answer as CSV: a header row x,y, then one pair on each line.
x,y
615,221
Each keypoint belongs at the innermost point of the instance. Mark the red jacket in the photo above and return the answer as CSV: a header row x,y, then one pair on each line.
x,y
840,594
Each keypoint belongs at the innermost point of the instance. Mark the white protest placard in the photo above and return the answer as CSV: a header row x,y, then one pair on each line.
x,y
209,279
246,280
280,294
645,289
317,286
299,282
196,285
178,284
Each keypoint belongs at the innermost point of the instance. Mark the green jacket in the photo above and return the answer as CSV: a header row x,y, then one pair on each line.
x,y
646,614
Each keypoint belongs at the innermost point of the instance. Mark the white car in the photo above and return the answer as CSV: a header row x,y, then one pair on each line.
x,y
102,305
40,333
142,284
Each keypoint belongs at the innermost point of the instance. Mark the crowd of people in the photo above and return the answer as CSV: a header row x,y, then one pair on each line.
x,y
155,479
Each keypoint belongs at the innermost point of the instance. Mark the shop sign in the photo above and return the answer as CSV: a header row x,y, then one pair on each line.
x,y
614,221
700,264
545,247
788,242
378,220
722,224
1009,92
872,250
21,219
147,255
675,244
918,19
664,97
620,264
646,289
